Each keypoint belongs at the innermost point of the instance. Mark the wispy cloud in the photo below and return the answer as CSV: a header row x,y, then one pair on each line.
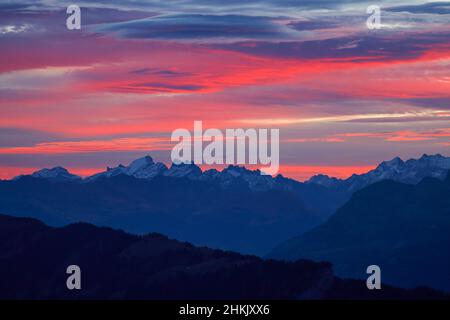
x,y
401,136
426,115
202,28
15,28
121,144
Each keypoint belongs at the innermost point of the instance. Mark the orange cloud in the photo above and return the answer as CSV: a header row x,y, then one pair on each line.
x,y
401,136
325,139
122,144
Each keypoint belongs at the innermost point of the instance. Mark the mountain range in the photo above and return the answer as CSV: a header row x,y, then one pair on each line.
x,y
231,178
116,265
403,228
411,171
233,209
202,212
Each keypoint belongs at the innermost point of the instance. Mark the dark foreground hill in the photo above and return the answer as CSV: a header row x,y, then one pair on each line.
x,y
405,229
117,265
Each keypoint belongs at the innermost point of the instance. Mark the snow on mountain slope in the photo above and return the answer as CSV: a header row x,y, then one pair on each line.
x,y
254,179
411,171
56,174
143,168
146,168
182,170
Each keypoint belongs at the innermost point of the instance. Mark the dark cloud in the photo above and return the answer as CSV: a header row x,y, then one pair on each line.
x,y
433,102
278,37
15,6
401,120
313,25
200,6
160,72
17,137
54,19
78,160
105,15
431,7
158,87
162,86
198,27
354,49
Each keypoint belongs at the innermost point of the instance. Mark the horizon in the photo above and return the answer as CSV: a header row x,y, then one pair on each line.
x,y
344,97
203,168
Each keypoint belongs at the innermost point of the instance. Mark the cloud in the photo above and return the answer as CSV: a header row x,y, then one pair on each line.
x,y
15,28
191,5
196,27
431,102
431,7
313,24
402,135
155,87
353,49
15,6
160,72
322,139
430,115
113,145
10,137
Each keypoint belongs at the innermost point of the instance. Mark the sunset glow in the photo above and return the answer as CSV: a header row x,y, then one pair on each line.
x,y
344,97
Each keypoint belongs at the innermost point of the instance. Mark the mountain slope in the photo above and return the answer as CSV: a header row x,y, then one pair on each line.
x,y
405,229
411,171
117,265
317,199
235,209
56,174
197,211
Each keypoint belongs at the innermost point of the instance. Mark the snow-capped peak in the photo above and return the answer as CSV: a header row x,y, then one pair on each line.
x,y
323,180
410,171
180,170
233,174
144,168
55,174
238,171
436,160
394,163
140,164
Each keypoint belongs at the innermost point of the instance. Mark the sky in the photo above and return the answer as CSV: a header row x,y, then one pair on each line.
x,y
344,97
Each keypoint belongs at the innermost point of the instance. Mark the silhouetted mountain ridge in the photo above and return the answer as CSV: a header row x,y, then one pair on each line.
x,y
411,171
118,265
